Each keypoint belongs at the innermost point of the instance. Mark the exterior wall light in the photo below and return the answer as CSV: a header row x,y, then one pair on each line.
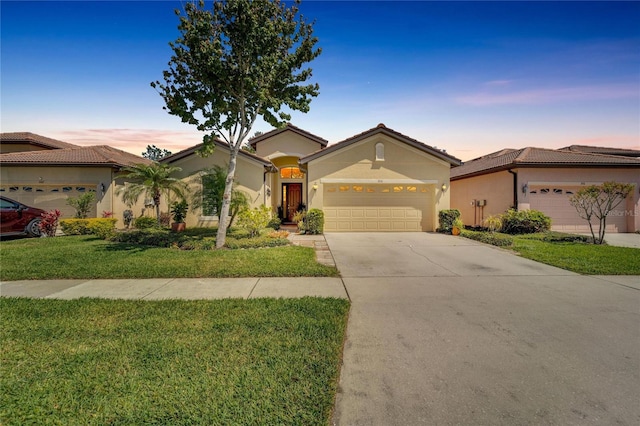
x,y
102,188
525,188
444,187
315,187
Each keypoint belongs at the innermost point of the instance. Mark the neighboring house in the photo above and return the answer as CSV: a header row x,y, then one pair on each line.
x,y
26,141
544,179
378,180
47,177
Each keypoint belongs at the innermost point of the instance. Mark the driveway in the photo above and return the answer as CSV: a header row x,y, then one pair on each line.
x,y
444,330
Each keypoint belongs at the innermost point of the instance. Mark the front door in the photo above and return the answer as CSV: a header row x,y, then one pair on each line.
x,y
291,199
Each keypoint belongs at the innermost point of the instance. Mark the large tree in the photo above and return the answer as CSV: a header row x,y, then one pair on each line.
x,y
235,62
151,180
155,154
598,201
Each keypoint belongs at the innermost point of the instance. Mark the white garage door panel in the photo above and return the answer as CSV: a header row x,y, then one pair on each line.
x,y
564,217
48,197
376,208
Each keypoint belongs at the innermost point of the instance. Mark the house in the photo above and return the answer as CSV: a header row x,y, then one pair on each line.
x,y
544,179
378,180
43,172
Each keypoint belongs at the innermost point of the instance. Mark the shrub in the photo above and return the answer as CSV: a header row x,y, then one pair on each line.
x,y
149,237
82,204
74,226
145,222
525,222
253,220
258,242
102,227
446,219
493,223
179,211
127,215
274,223
278,234
49,223
314,222
493,238
298,219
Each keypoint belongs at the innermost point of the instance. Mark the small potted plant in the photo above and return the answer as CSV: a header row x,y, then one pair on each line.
x,y
179,213
457,227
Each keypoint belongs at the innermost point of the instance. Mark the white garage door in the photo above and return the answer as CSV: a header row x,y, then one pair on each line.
x,y
49,197
375,208
554,202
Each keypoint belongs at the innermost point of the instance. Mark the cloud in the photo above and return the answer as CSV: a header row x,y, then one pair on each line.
x,y
548,95
134,141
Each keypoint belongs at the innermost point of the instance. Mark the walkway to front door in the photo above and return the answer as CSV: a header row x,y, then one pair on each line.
x,y
291,199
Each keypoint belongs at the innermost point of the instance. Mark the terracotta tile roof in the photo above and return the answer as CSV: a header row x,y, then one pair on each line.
x,y
290,127
628,152
382,129
33,139
538,157
99,155
189,151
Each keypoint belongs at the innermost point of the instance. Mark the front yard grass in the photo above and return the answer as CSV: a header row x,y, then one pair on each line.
x,y
88,257
588,259
566,251
93,361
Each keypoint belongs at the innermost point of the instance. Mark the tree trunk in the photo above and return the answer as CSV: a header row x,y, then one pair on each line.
x,y
226,200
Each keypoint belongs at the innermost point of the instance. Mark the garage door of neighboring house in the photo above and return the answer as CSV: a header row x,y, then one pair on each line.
x,y
49,197
554,202
352,207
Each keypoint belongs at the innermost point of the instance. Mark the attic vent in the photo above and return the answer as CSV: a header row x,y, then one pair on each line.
x,y
379,151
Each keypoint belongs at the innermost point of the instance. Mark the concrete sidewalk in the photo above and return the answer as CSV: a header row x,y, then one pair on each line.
x,y
177,288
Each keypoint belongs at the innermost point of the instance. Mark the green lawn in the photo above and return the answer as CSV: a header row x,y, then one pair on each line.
x,y
89,257
90,361
588,259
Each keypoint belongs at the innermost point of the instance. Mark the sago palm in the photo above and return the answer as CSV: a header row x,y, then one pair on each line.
x,y
151,180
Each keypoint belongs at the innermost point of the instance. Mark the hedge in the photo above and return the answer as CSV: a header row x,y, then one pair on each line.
x,y
493,238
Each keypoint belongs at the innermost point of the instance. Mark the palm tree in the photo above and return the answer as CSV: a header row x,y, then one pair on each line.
x,y
151,180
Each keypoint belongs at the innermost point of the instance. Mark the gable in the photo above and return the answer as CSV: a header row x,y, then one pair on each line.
x,y
286,143
363,160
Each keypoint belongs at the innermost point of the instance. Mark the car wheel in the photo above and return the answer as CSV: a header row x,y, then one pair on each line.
x,y
33,228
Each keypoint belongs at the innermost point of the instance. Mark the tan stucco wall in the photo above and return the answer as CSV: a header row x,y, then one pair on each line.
x,y
401,161
495,188
249,177
286,143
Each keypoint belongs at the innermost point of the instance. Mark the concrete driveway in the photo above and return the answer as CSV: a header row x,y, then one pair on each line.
x,y
444,330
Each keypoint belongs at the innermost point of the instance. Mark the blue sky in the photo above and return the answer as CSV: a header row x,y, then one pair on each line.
x,y
468,77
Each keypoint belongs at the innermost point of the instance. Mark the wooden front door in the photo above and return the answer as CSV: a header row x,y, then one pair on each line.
x,y
291,199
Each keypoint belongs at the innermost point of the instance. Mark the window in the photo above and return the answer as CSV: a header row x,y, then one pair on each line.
x,y
544,191
398,188
344,188
412,189
379,151
370,189
358,188
209,192
331,189
291,173
557,191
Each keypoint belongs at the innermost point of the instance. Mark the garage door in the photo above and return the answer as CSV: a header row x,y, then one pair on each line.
x,y
49,197
554,202
376,208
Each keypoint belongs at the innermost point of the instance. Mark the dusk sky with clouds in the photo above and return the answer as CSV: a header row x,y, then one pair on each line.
x,y
468,77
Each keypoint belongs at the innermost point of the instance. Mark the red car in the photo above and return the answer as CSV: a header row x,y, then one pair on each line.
x,y
19,219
